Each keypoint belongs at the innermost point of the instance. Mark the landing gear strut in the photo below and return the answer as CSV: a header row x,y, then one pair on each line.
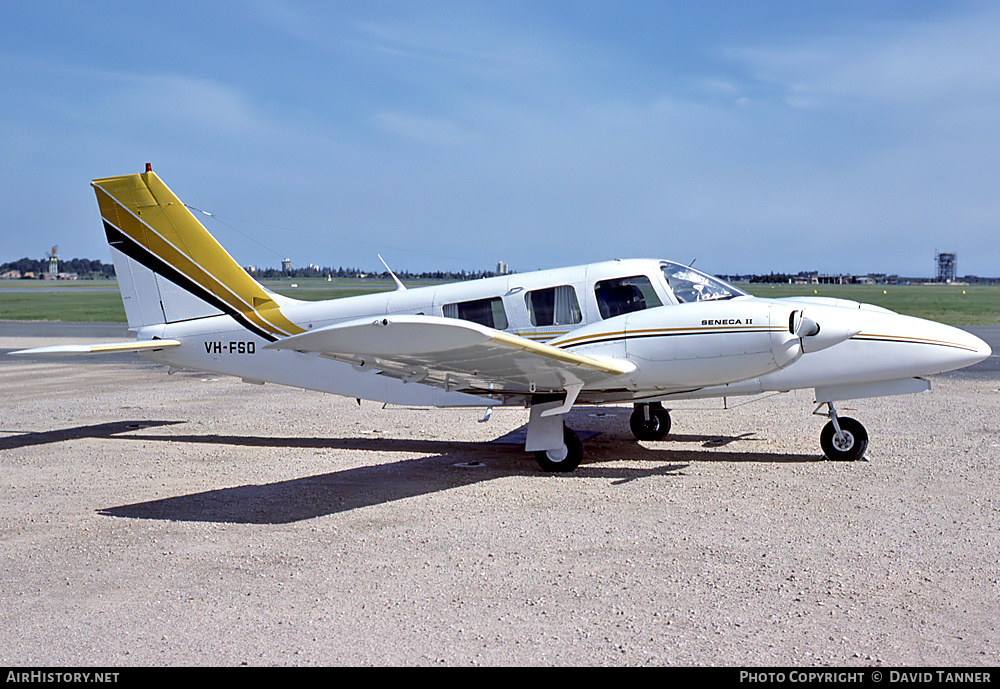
x,y
649,421
842,439
556,447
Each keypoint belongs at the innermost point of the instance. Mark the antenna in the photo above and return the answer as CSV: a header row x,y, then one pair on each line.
x,y
399,285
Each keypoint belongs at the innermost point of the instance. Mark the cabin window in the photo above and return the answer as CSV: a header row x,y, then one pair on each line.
x,y
488,312
625,295
553,306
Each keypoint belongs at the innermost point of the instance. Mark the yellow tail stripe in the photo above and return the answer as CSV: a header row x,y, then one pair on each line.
x,y
145,210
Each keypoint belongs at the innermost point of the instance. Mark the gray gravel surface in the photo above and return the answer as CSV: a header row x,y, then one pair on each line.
x,y
190,519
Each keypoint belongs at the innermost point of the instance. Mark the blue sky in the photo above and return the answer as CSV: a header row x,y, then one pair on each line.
x,y
843,137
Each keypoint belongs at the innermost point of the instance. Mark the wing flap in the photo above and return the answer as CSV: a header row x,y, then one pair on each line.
x,y
453,354
104,348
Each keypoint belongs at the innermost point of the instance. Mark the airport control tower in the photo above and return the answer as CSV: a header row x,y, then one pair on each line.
x,y
53,257
947,265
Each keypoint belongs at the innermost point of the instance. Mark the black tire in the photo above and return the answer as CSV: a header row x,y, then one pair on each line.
x,y
554,460
656,427
851,448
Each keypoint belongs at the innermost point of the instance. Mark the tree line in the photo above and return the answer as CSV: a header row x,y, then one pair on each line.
x,y
342,272
86,268
81,267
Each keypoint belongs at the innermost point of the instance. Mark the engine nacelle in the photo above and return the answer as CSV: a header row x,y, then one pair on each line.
x,y
696,344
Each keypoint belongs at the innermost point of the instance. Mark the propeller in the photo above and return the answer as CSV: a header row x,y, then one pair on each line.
x,y
801,325
839,329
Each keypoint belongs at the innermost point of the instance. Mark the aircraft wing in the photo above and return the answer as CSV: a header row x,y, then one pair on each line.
x,y
454,354
106,348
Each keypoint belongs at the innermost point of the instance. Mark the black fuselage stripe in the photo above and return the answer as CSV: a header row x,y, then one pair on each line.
x,y
125,244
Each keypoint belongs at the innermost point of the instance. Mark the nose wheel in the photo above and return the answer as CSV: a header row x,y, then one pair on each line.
x,y
649,421
843,439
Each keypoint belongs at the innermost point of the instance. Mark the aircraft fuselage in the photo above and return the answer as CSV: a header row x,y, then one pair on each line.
x,y
732,345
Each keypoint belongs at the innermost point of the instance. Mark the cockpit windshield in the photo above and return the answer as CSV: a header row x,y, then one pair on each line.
x,y
690,285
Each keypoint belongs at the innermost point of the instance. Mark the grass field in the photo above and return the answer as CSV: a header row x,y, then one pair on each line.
x,y
99,300
951,304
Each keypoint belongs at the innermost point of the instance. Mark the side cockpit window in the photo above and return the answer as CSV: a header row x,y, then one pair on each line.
x,y
488,312
690,285
553,306
625,295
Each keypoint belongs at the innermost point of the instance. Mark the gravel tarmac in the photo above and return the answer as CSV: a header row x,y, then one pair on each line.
x,y
192,519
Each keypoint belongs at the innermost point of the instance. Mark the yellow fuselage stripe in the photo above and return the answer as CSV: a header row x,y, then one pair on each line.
x,y
650,332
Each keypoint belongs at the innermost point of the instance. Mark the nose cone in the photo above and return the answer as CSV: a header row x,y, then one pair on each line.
x,y
958,348
930,347
977,348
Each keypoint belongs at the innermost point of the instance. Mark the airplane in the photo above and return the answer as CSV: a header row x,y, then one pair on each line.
x,y
639,331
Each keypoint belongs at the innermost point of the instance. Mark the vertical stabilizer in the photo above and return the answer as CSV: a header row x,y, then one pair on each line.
x,y
171,269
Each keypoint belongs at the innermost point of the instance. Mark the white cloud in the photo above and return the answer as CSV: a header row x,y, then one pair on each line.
x,y
180,103
425,129
886,64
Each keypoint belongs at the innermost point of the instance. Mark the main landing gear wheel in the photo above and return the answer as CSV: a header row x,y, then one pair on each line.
x,y
649,422
847,446
566,458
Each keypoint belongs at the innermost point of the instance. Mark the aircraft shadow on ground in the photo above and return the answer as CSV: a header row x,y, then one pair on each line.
x,y
102,430
446,465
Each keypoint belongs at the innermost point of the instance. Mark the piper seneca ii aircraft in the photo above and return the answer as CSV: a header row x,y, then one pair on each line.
x,y
625,331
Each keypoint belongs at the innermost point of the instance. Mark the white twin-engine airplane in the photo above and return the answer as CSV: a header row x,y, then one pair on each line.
x,y
640,331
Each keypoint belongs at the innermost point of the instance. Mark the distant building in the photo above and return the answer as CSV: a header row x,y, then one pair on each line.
x,y
833,279
502,268
286,265
947,266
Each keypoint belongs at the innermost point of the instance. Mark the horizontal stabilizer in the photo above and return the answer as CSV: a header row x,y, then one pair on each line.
x,y
64,350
